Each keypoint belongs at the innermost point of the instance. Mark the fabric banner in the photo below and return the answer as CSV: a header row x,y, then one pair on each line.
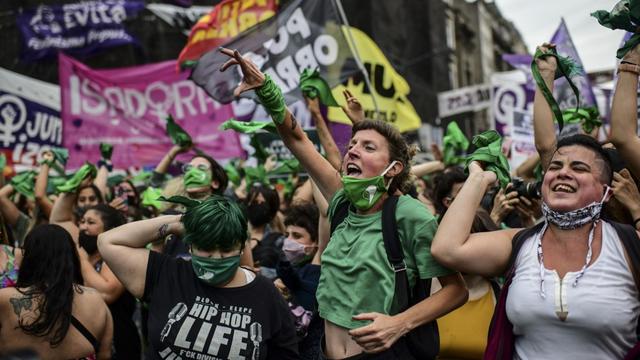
x,y
521,137
79,28
510,92
390,89
29,119
470,98
227,19
304,34
179,17
127,107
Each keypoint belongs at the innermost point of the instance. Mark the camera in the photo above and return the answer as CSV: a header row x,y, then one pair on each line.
x,y
529,190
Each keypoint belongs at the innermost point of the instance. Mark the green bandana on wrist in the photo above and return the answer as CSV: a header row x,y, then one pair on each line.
x,y
566,68
625,15
24,183
106,150
271,98
489,152
177,134
313,86
589,117
72,184
454,143
248,127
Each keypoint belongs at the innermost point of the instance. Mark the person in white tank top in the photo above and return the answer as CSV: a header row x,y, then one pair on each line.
x,y
573,295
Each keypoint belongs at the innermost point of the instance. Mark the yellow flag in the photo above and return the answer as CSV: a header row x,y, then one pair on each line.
x,y
390,89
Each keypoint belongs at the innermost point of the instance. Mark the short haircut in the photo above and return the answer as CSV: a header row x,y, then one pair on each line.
x,y
306,216
217,223
443,184
586,141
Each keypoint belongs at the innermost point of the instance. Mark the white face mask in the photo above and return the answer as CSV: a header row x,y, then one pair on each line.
x,y
576,218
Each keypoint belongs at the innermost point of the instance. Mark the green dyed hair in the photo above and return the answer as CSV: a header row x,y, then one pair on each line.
x,y
217,223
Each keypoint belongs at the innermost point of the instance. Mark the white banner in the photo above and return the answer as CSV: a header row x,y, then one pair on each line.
x,y
471,98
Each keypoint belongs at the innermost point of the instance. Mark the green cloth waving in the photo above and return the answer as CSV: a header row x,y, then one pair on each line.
x,y
489,152
589,117
567,68
454,143
151,197
625,15
73,183
232,173
248,127
313,86
106,150
261,152
177,134
24,183
256,175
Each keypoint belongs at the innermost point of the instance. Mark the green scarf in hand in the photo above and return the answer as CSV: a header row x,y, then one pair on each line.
x,y
567,68
106,150
489,152
177,134
151,197
271,98
256,175
24,183
248,127
625,15
313,85
73,183
589,117
454,143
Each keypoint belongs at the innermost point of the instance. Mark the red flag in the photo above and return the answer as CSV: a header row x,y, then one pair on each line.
x,y
227,19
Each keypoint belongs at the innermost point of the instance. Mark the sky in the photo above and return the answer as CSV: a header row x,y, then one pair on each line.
x,y
538,20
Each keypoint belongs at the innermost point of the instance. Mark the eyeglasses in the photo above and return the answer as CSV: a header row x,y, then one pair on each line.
x,y
187,167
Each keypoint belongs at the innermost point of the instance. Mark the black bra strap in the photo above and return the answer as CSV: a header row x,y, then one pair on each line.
x,y
86,333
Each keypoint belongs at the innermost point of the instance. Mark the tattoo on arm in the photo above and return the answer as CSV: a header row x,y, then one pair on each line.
x,y
294,122
20,303
162,231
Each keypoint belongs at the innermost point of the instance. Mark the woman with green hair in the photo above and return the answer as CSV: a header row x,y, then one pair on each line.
x,y
209,305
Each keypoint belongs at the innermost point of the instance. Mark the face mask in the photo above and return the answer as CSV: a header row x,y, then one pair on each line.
x,y
294,251
196,178
259,214
88,242
574,219
364,193
215,271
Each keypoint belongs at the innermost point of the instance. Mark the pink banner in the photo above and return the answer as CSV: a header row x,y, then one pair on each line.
x,y
127,107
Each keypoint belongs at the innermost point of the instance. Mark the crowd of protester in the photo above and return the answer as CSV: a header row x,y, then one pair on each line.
x,y
360,253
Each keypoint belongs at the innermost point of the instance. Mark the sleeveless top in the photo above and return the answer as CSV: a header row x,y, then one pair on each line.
x,y
9,277
594,320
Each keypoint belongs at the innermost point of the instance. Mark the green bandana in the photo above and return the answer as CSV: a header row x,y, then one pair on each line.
x,y
3,162
151,197
566,68
589,117
489,152
215,271
313,85
196,178
143,177
232,173
106,150
364,193
291,166
271,98
182,200
177,134
53,183
255,175
60,157
261,153
248,127
625,15
115,180
287,186
454,142
24,183
73,183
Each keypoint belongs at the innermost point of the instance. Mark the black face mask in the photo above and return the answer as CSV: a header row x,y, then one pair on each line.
x,y
88,242
259,214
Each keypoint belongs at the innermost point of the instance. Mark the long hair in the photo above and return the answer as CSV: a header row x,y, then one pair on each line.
x,y
50,274
111,218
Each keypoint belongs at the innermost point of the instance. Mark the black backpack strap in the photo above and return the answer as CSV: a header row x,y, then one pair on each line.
x,y
86,333
517,241
631,243
340,213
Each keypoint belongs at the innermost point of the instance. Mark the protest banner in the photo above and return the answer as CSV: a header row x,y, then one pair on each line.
x,y
470,98
127,107
81,28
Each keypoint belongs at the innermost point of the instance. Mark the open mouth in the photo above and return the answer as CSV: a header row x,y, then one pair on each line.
x,y
353,170
564,188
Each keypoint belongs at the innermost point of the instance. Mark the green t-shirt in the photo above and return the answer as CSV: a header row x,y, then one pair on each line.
x,y
356,276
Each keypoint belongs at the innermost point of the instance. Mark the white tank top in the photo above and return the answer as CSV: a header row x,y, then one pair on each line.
x,y
601,312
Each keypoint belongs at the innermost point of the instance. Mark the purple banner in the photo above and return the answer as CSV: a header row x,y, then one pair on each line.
x,y
79,29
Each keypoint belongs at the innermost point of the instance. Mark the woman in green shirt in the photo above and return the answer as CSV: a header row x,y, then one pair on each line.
x,y
356,289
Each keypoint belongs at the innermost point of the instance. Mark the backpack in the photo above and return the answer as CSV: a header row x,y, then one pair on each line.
x,y
501,341
424,341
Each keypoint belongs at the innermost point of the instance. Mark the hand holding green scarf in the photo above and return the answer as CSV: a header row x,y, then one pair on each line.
x,y
72,184
313,85
625,15
248,127
489,152
106,150
589,117
24,183
177,134
454,143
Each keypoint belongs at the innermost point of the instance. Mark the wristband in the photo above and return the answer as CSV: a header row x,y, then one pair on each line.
x,y
629,67
271,98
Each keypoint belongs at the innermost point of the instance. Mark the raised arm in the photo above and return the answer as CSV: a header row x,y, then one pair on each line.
x,y
543,128
123,248
327,178
9,210
40,190
624,111
329,145
427,168
453,246
101,180
324,228
168,158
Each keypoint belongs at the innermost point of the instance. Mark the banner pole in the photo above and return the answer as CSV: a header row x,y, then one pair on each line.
x,y
354,49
